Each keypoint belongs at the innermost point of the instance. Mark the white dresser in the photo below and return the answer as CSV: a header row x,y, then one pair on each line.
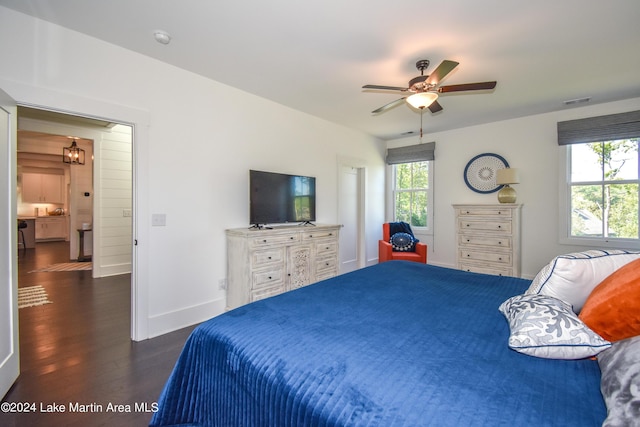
x,y
488,238
266,262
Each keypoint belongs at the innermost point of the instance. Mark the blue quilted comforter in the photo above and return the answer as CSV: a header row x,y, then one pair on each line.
x,y
396,344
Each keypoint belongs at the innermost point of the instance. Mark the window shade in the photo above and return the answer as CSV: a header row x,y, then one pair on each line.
x,y
601,128
411,153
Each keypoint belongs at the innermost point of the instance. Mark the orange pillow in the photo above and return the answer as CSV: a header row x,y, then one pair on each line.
x,y
612,310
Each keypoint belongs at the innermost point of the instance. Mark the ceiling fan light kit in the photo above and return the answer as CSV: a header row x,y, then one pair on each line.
x,y
422,100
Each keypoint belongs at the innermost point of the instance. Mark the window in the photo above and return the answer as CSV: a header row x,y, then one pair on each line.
x,y
603,190
411,193
599,195
410,186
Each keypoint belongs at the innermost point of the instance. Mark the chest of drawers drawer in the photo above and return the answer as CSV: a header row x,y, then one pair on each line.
x,y
502,258
484,241
487,225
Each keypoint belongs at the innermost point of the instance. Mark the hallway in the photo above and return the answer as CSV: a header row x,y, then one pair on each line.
x,y
77,351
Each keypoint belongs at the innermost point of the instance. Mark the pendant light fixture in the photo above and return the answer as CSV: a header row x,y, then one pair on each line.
x,y
73,155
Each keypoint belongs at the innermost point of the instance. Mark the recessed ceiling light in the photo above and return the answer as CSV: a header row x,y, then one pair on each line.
x,y
577,100
162,37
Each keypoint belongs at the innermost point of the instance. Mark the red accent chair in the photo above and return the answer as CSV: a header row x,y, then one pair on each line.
x,y
386,253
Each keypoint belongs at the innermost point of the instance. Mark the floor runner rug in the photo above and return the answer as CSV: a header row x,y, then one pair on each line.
x,y
32,296
66,266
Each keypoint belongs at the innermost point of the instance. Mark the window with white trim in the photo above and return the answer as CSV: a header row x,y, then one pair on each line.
x,y
411,184
599,199
411,193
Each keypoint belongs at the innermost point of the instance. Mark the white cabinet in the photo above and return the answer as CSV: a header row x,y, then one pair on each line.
x,y
42,188
488,238
51,228
266,262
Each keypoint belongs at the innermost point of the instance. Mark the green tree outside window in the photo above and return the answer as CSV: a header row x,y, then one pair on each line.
x,y
410,193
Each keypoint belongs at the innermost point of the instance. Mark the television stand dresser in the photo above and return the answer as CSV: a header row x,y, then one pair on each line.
x,y
269,261
488,238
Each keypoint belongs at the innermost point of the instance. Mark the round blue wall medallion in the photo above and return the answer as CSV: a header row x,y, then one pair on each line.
x,y
480,172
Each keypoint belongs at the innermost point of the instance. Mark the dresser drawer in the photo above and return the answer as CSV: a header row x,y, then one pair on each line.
x,y
267,256
502,258
326,248
326,263
497,226
483,211
479,240
486,269
257,295
318,234
274,240
267,278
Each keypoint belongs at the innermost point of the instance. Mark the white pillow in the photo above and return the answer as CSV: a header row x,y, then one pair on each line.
x,y
543,326
572,277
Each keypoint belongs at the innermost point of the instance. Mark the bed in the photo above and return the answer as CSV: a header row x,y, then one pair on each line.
x,y
395,344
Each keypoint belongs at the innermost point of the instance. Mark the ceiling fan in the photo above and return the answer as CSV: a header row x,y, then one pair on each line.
x,y
423,90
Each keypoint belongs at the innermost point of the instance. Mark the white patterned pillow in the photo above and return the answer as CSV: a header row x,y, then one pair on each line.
x,y
572,277
620,383
544,326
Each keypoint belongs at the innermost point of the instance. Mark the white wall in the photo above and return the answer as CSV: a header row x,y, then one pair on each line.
x,y
194,142
527,143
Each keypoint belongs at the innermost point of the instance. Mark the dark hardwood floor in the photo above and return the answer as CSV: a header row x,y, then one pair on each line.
x,y
77,351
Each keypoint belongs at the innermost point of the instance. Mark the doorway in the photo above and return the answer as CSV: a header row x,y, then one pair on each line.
x,y
97,201
351,191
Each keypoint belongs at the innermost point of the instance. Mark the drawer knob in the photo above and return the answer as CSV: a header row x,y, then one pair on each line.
x,y
291,237
499,226
264,241
310,235
269,257
330,234
499,258
468,240
327,248
468,255
269,277
499,243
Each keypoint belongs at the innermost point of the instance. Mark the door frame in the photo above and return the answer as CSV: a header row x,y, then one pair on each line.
x,y
65,103
10,355
360,167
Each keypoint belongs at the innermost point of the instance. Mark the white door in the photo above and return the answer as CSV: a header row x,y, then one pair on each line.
x,y
349,214
9,356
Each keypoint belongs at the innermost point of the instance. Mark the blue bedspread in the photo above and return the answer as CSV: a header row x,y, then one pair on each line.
x,y
396,344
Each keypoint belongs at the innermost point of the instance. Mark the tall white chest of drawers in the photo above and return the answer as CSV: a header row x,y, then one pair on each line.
x,y
266,262
488,238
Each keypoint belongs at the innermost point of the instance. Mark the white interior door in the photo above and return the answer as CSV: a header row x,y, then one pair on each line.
x,y
9,348
348,205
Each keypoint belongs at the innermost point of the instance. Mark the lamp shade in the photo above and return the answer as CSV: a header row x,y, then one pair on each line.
x,y
507,176
422,99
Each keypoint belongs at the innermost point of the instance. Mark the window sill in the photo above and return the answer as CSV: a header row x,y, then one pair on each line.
x,y
631,244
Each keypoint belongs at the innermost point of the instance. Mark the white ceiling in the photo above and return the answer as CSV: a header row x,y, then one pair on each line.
x,y
316,56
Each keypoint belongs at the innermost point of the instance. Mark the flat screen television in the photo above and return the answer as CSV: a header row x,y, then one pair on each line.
x,y
276,198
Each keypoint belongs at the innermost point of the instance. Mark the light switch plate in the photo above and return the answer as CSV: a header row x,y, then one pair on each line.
x,y
158,220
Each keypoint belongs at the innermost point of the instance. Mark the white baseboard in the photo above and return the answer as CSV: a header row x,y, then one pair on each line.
x,y
112,270
178,319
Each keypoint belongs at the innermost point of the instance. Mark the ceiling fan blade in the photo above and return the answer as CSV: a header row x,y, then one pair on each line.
x,y
403,89
389,106
435,107
439,73
467,86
